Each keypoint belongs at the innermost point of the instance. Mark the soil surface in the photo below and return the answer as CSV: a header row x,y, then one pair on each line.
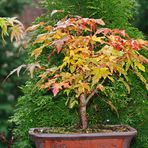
x,y
93,129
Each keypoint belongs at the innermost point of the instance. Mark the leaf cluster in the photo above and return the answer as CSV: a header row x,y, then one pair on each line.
x,y
115,13
92,56
15,27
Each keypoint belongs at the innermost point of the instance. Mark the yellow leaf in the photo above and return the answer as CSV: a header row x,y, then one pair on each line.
x,y
100,72
140,66
58,35
3,27
72,53
96,39
17,32
121,70
41,38
72,69
141,77
62,66
94,80
128,64
37,51
67,60
111,79
147,86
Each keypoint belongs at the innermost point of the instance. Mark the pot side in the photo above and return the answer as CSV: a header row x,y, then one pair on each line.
x,y
91,140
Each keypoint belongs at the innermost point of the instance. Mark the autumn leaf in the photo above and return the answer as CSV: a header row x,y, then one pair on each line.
x,y
56,11
42,38
34,27
17,32
56,88
60,43
99,21
143,59
100,87
3,27
119,32
111,78
17,70
31,68
97,39
16,27
103,31
140,66
37,51
72,69
13,21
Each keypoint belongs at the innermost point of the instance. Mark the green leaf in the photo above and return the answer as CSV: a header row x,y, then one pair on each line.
x,y
71,102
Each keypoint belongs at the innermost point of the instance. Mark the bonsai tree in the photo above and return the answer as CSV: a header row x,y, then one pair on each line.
x,y
91,57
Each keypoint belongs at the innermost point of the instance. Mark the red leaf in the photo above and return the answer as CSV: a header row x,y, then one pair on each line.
x,y
104,31
55,89
52,53
120,32
59,43
66,85
135,45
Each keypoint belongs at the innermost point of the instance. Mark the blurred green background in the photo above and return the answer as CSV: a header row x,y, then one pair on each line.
x,y
11,56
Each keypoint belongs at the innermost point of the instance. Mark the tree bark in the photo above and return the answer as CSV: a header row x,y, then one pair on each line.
x,y
83,113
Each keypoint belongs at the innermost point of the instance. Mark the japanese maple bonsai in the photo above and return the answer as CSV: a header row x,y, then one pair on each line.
x,y
92,57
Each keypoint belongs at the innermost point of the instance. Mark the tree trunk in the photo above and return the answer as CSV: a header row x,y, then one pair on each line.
x,y
83,113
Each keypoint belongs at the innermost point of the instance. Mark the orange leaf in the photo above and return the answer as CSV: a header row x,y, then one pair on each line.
x,y
34,27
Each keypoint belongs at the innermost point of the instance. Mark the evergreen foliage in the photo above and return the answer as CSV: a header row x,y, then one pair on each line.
x,y
142,17
115,13
36,109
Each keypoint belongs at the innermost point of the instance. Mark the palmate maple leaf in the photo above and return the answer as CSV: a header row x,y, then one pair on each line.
x,y
16,28
29,67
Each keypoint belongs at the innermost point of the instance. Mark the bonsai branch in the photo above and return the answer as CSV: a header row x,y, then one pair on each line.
x,y
91,95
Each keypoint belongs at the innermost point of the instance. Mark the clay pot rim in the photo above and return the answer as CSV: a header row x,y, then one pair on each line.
x,y
132,132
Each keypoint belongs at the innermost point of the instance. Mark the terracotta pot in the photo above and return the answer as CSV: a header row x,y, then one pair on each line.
x,y
93,140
